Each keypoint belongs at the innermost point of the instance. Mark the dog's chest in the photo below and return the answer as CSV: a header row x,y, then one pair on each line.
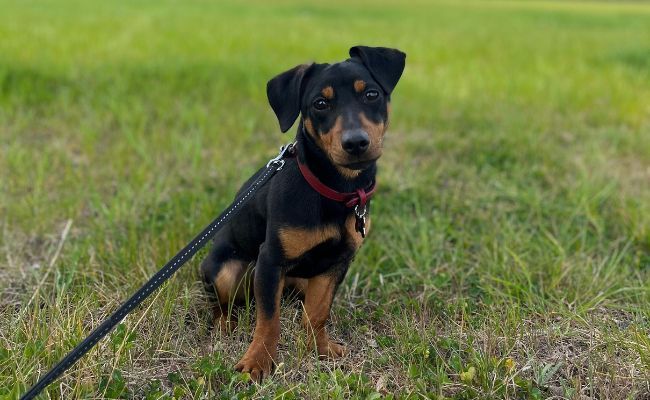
x,y
322,246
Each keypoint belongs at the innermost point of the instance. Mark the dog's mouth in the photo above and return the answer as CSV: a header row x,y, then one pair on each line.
x,y
359,165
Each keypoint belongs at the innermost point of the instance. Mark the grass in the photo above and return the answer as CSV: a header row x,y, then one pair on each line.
x,y
510,251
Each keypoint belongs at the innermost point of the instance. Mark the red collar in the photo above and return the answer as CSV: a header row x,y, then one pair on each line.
x,y
360,197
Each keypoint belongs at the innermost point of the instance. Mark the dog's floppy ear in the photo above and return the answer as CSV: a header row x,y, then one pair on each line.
x,y
385,65
284,93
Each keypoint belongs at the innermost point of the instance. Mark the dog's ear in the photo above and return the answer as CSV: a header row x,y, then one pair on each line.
x,y
385,65
284,93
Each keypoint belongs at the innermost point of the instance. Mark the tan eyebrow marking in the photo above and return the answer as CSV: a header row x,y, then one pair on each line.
x,y
359,85
328,92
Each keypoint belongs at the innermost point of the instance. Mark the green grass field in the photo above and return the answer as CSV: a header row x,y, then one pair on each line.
x,y
510,251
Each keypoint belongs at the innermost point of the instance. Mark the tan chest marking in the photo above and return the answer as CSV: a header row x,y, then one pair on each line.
x,y
297,241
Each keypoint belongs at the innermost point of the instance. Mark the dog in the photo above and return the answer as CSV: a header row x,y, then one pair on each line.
x,y
295,232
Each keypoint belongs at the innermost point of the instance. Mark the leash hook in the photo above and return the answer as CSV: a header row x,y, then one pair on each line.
x,y
279,159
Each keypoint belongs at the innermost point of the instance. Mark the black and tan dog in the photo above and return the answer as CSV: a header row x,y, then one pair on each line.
x,y
292,233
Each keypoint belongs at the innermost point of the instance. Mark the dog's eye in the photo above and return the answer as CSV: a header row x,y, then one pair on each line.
x,y
321,104
372,95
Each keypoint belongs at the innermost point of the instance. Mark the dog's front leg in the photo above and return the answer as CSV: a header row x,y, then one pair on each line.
x,y
318,301
268,284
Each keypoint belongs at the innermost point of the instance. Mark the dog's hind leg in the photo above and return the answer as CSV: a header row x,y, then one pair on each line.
x,y
226,278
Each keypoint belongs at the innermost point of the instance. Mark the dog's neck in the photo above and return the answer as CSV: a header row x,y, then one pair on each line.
x,y
321,165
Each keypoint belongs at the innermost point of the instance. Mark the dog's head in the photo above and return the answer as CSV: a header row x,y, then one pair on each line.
x,y
344,106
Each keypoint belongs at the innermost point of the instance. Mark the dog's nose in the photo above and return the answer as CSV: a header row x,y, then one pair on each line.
x,y
355,141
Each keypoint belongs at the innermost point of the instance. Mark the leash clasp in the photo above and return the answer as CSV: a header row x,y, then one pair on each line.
x,y
279,159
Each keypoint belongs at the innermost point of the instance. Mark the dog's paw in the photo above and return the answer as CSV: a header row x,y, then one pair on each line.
x,y
331,350
257,362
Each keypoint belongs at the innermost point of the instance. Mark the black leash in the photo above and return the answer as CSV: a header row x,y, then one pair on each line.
x,y
273,166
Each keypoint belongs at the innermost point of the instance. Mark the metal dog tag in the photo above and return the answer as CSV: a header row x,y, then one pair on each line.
x,y
360,217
